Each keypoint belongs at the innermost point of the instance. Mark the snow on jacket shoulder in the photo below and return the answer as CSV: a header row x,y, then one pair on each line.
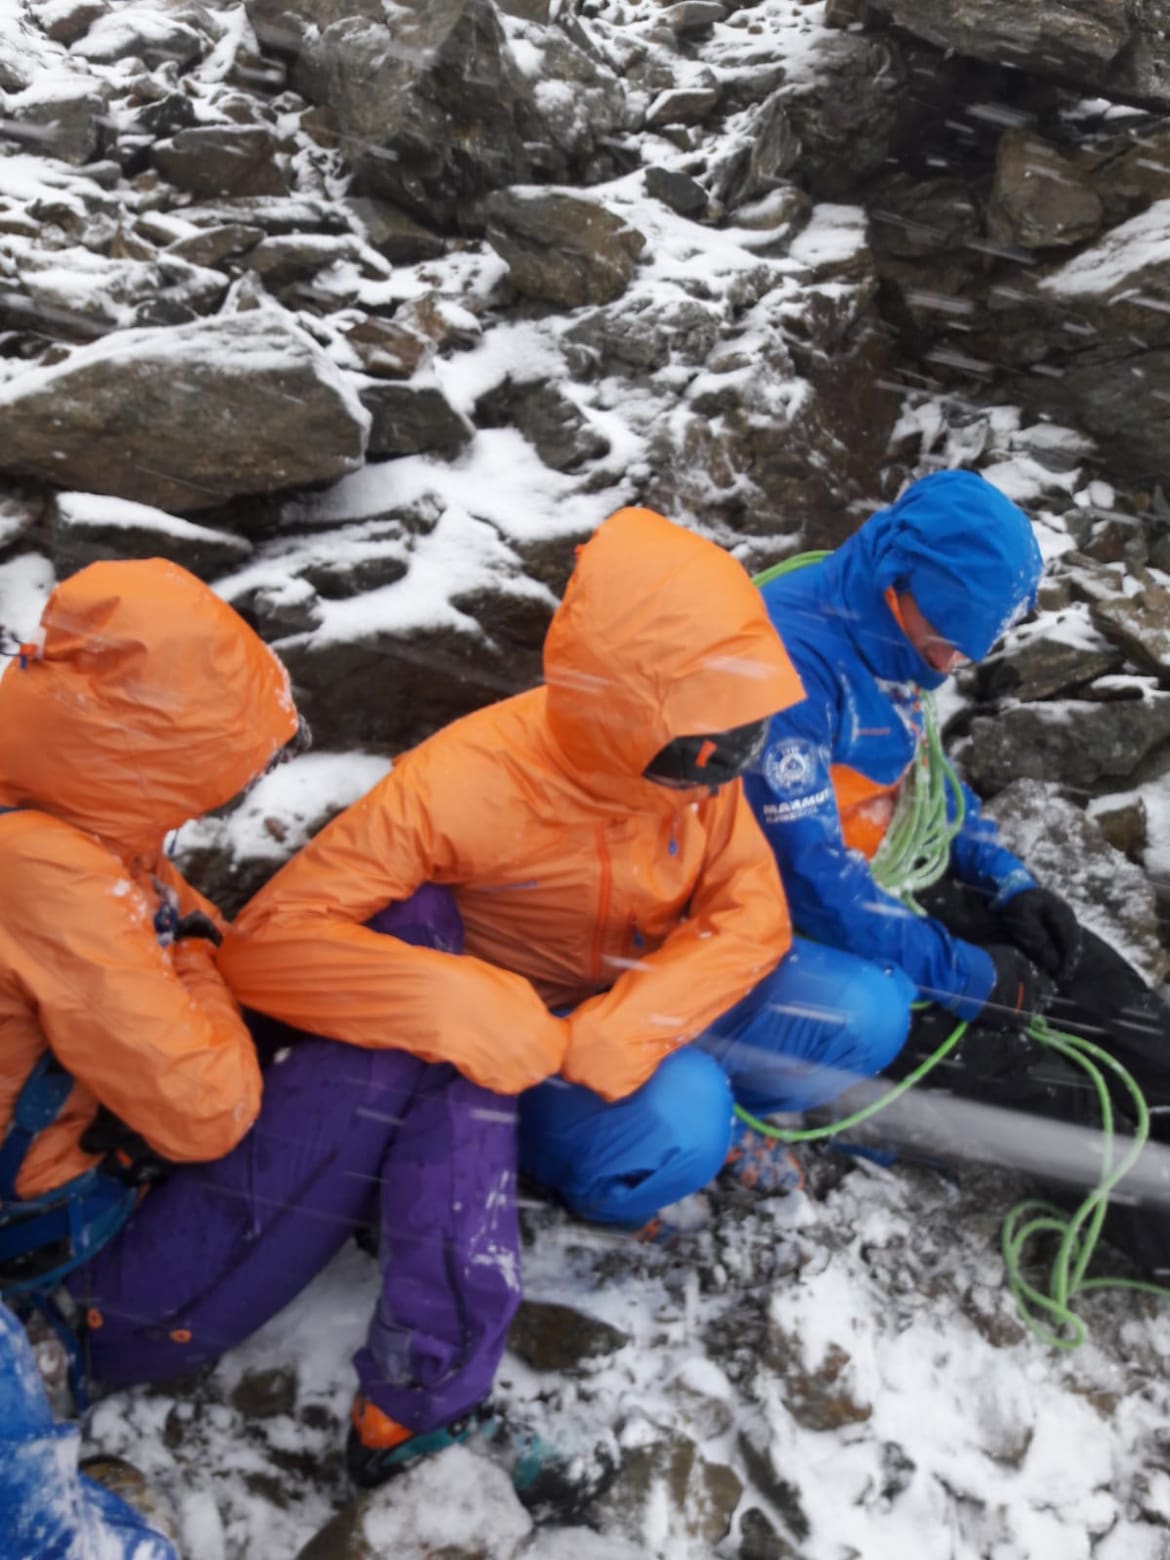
x,y
581,884
148,701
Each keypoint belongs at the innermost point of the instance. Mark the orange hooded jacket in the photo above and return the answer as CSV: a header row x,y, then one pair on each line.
x,y
648,910
148,701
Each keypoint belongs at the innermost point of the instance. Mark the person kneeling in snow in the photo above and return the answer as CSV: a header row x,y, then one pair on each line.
x,y
920,588
615,894
124,1059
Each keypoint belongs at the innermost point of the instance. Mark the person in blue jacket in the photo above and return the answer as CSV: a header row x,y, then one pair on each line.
x,y
48,1509
923,586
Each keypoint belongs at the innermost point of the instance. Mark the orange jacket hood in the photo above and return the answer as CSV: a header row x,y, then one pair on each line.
x,y
661,634
147,702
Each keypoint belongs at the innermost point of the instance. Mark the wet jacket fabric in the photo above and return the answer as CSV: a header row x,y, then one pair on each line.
x,y
146,701
581,885
968,556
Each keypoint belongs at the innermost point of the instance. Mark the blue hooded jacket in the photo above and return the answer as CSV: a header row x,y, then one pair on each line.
x,y
968,556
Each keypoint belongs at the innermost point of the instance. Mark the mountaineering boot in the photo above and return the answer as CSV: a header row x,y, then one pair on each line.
x,y
549,1480
378,1447
762,1164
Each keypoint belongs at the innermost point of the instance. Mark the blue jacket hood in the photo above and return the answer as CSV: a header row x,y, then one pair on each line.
x,y
965,552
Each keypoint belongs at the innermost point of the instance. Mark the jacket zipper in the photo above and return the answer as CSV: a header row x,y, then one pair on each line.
x,y
602,901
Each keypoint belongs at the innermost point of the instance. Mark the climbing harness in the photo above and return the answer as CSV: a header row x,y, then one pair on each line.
x,y
912,857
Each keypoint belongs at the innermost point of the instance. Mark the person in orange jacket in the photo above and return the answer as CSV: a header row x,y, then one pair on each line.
x,y
180,1196
615,893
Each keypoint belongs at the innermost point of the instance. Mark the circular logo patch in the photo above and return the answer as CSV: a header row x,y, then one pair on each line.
x,y
790,765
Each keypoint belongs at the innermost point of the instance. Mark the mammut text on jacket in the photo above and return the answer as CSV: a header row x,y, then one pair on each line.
x,y
582,885
147,702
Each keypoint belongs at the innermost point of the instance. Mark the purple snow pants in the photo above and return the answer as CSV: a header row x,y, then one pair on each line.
x,y
345,1137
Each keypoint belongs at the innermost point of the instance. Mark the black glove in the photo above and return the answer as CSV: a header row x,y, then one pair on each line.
x,y
1019,993
196,924
125,1154
1044,927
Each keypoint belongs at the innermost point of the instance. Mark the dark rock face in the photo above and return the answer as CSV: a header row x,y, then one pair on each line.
x,y
213,160
184,418
556,1337
408,418
1078,743
1113,45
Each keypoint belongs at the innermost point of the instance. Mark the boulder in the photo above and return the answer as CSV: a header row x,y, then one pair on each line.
x,y
1066,850
1040,198
188,417
406,419
679,191
1075,742
549,418
74,293
701,1496
1112,46
558,1338
86,527
424,95
155,34
212,160
560,249
1049,659
1140,626
394,233
61,118
456,1505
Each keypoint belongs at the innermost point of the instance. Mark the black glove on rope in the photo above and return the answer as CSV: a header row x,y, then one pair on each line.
x,y
1019,993
1044,927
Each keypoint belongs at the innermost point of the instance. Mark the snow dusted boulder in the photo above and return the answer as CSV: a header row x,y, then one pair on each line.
x,y
425,95
1067,851
187,418
562,250
155,32
457,1504
1114,46
1072,742
73,292
214,160
86,527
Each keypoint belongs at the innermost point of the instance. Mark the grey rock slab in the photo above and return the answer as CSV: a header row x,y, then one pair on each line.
x,y
394,233
149,33
1107,44
1045,664
1140,626
684,195
60,119
702,1496
1076,742
212,246
555,1337
213,160
1040,199
66,23
1067,851
682,106
284,259
87,527
387,349
186,418
690,16
561,249
406,419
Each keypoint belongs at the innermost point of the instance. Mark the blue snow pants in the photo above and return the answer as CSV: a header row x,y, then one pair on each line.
x,y
47,1509
822,1020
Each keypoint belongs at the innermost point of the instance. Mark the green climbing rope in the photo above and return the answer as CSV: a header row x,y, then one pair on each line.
x,y
912,857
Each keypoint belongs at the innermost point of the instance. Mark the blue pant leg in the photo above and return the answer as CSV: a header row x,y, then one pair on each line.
x,y
621,1163
822,1020
47,1509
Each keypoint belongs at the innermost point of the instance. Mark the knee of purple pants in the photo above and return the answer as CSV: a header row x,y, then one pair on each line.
x,y
428,919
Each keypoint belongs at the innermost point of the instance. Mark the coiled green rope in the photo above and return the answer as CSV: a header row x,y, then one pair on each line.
x,y
912,857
